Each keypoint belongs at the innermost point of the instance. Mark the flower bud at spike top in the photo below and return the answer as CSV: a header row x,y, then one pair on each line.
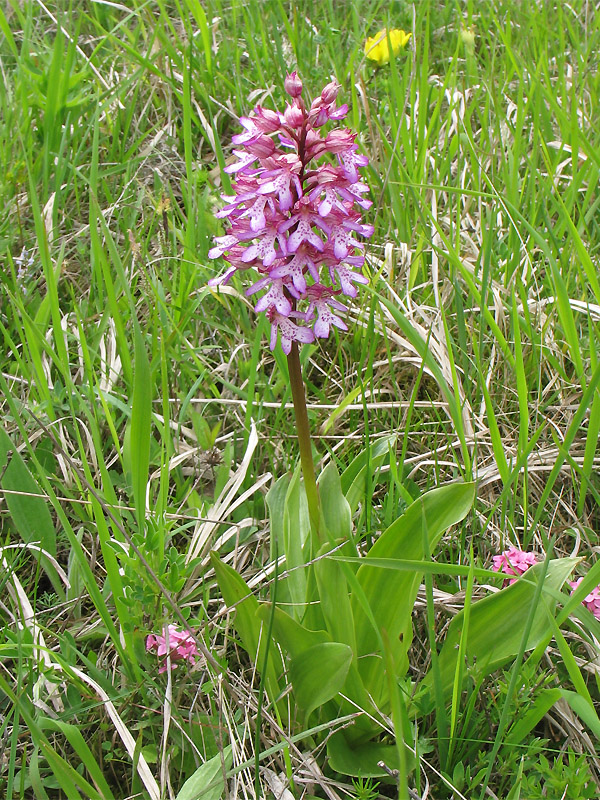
x,y
296,215
330,92
293,85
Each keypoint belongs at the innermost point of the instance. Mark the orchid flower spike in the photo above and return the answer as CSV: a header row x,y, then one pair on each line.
x,y
295,215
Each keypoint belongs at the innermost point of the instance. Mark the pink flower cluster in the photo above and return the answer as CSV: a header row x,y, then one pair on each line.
x,y
513,562
590,601
295,220
180,646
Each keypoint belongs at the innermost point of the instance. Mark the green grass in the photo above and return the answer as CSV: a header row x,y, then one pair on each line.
x,y
129,390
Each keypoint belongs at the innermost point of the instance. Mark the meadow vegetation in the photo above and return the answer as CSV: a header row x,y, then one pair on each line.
x,y
147,426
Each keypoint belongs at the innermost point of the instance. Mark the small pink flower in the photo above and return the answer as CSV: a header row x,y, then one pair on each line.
x,y
180,646
513,562
590,601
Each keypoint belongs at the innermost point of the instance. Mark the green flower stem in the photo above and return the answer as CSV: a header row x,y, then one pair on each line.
x,y
306,459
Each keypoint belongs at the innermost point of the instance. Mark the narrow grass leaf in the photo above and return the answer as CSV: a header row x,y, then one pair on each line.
x,y
400,721
567,441
571,664
69,780
75,738
141,411
565,313
200,16
8,35
584,711
460,662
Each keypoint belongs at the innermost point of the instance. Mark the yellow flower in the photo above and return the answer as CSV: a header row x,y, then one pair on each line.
x,y
377,47
468,38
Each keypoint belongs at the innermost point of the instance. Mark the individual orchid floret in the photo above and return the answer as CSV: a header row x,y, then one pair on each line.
x,y
177,645
335,191
274,297
293,116
244,161
592,600
339,140
265,248
323,108
330,93
296,215
351,162
266,120
347,278
223,243
342,240
303,220
252,131
283,181
289,331
296,269
513,562
322,301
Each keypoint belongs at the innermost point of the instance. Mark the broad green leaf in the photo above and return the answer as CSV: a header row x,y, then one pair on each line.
x,y
363,760
248,624
334,506
293,637
334,597
208,781
497,623
318,674
296,543
28,510
353,477
275,499
390,594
